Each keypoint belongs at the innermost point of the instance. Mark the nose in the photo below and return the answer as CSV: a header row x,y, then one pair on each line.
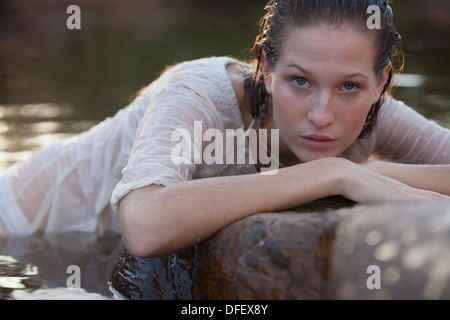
x,y
321,113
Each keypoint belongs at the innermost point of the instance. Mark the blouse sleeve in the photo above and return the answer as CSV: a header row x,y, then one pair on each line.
x,y
178,101
405,136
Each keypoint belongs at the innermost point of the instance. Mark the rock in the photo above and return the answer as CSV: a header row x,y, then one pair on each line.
x,y
408,245
273,256
327,250
266,256
166,278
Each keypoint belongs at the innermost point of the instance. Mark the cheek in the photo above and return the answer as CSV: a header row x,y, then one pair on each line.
x,y
286,100
354,120
288,111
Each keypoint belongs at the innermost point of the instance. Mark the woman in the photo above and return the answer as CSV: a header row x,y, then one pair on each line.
x,y
318,89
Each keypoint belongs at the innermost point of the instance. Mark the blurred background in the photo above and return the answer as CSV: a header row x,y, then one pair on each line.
x,y
55,82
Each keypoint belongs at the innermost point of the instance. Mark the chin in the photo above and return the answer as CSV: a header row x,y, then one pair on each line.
x,y
309,156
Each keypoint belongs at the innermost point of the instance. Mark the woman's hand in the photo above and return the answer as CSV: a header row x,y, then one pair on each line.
x,y
364,185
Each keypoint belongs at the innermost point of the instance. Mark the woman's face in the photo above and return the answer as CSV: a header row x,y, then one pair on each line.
x,y
323,86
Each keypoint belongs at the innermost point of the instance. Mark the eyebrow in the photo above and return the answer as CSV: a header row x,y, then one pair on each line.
x,y
293,65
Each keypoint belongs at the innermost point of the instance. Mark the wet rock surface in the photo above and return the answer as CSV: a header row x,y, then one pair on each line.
x,y
166,278
331,249
401,252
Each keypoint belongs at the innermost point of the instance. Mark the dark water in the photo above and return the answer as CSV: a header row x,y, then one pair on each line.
x,y
40,267
56,82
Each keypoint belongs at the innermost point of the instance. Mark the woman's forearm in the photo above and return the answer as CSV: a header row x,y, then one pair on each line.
x,y
157,220
427,177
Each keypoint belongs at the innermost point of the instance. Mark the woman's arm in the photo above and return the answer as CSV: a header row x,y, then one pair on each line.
x,y
158,220
405,136
419,148
428,177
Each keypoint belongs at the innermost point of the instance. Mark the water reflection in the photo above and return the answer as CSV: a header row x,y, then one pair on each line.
x,y
15,276
406,80
25,128
36,267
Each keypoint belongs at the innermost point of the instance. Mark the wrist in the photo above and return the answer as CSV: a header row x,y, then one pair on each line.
x,y
335,175
343,176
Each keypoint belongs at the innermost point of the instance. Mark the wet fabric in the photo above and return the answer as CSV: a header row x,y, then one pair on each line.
x,y
77,183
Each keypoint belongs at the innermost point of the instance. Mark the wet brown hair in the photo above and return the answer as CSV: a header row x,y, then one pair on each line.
x,y
284,14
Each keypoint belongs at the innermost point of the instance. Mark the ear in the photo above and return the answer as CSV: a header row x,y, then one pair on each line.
x,y
382,82
266,71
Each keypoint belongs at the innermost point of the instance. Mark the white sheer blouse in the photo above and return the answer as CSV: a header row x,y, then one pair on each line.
x,y
74,184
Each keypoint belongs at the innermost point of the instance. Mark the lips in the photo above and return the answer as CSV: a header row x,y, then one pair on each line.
x,y
319,142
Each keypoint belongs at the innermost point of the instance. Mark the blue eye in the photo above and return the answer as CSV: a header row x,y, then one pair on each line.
x,y
301,82
350,87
